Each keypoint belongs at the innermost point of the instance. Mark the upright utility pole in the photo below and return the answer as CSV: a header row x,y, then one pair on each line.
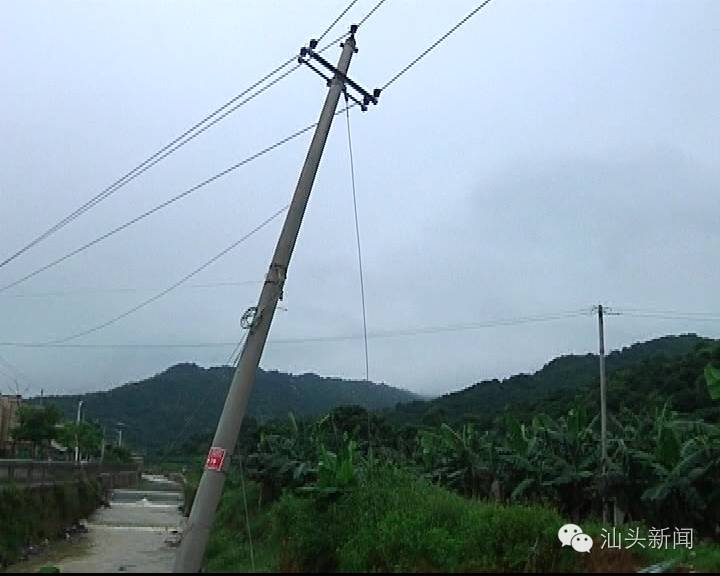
x,y
603,408
77,441
192,547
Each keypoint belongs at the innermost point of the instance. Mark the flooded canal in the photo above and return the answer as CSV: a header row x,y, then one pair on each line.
x,y
137,533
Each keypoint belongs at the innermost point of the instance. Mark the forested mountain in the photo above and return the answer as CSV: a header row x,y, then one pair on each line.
x,y
566,379
186,400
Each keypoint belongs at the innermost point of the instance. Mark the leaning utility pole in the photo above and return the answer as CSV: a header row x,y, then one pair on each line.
x,y
258,319
603,410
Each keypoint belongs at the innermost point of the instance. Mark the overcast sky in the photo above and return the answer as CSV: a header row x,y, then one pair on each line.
x,y
546,157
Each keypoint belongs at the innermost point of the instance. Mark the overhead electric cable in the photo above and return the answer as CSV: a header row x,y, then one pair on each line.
x,y
357,238
380,3
127,289
161,154
436,43
160,206
398,333
628,311
193,132
173,286
334,22
155,209
670,316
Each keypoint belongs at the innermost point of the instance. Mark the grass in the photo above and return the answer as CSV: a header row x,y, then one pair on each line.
x,y
392,522
229,547
31,514
704,555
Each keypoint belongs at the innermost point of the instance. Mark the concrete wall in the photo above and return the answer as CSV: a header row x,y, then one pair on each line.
x,y
35,472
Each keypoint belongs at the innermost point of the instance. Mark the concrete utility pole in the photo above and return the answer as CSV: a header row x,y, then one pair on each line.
x,y
77,442
192,547
603,408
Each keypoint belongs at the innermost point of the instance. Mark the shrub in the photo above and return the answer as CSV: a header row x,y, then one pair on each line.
x,y
31,514
394,522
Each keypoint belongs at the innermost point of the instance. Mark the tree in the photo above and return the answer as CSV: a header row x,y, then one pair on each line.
x,y
37,424
117,455
87,436
712,378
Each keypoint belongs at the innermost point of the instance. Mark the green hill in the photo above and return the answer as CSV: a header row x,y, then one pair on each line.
x,y
555,386
186,400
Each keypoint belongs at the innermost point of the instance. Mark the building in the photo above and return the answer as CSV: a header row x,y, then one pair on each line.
x,y
9,405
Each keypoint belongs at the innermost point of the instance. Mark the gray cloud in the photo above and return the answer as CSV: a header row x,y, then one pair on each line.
x,y
546,158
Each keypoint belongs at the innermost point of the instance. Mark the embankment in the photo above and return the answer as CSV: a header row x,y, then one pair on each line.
x,y
32,514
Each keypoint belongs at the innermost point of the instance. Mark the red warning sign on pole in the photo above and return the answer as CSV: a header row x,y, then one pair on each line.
x,y
215,459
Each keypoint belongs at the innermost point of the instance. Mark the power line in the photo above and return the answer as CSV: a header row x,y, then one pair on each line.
x,y
380,3
173,286
168,202
628,311
360,23
398,333
156,208
671,316
234,357
128,289
334,22
161,206
357,237
237,350
158,156
231,361
190,134
436,43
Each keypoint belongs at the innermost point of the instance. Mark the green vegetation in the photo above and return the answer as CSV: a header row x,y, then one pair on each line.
x,y
42,424
712,377
460,501
479,480
87,435
358,491
37,424
567,380
175,413
394,522
167,414
388,521
117,455
30,515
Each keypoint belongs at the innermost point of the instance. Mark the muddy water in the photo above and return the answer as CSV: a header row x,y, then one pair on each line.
x,y
136,534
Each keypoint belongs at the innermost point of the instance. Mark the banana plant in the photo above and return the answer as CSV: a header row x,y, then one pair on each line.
x,y
457,458
281,459
712,379
338,471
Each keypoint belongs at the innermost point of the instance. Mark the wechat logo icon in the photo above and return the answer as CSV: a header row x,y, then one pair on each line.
x,y
573,536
